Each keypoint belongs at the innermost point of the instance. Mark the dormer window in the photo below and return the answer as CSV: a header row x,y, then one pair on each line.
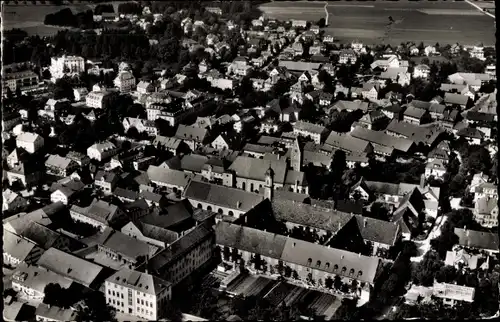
x,y
344,269
318,263
335,267
351,272
309,261
360,273
327,265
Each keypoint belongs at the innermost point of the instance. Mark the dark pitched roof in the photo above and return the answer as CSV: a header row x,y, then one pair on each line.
x,y
376,230
170,216
308,215
477,239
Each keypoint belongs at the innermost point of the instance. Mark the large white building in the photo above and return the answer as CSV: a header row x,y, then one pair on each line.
x,y
66,65
101,151
96,99
139,294
31,142
125,81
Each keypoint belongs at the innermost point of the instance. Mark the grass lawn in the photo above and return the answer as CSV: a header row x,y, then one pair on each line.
x,y
430,22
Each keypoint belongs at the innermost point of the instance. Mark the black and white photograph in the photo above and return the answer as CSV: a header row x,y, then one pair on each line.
x,y
251,160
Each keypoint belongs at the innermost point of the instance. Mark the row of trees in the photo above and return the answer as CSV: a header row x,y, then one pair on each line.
x,y
66,18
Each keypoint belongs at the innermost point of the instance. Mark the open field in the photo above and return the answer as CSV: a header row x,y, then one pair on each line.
x,y
427,21
30,17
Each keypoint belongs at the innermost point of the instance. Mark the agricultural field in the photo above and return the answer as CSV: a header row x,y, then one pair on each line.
x,y
29,17
427,21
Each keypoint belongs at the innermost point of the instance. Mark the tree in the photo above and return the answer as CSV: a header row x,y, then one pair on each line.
x,y
94,308
322,22
337,282
328,282
346,310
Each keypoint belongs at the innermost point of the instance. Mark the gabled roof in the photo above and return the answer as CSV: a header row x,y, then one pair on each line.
x,y
189,132
255,169
139,281
458,99
223,196
308,215
477,239
352,106
309,127
169,176
55,313
414,112
126,245
16,246
69,266
382,139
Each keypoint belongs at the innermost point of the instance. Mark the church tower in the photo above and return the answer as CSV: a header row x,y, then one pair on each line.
x,y
296,155
269,186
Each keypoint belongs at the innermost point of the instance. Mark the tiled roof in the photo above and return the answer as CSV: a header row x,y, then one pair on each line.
x,y
188,132
193,162
346,142
169,176
251,168
55,313
126,245
308,215
222,196
353,106
38,278
477,239
453,98
139,281
381,138
379,231
170,216
16,246
72,267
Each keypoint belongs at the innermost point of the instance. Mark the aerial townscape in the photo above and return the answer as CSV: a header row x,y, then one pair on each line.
x,y
206,161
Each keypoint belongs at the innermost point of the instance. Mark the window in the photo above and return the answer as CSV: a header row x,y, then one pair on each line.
x,y
360,273
121,294
344,269
142,302
220,211
351,272
200,206
318,263
113,293
327,265
231,214
309,261
209,208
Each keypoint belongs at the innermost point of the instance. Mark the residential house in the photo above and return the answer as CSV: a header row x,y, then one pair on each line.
x,y
370,91
31,142
347,56
60,166
372,120
193,136
99,214
415,115
138,294
430,50
66,190
46,312
460,258
393,111
221,142
435,168
30,282
102,151
391,61
327,38
80,93
477,240
474,80
477,52
97,99
171,144
453,293
397,75
173,180
316,132
486,211
106,181
436,110
452,99
472,135
12,201
145,87
351,106
142,126
28,174
17,250
347,143
298,23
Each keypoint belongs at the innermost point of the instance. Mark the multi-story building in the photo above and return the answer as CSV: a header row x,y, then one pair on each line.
x,y
60,166
65,65
102,151
99,214
185,256
137,293
31,142
17,250
125,81
316,132
97,99
301,260
140,124
21,80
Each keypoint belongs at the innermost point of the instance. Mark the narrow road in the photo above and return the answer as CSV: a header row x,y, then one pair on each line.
x,y
480,9
326,13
